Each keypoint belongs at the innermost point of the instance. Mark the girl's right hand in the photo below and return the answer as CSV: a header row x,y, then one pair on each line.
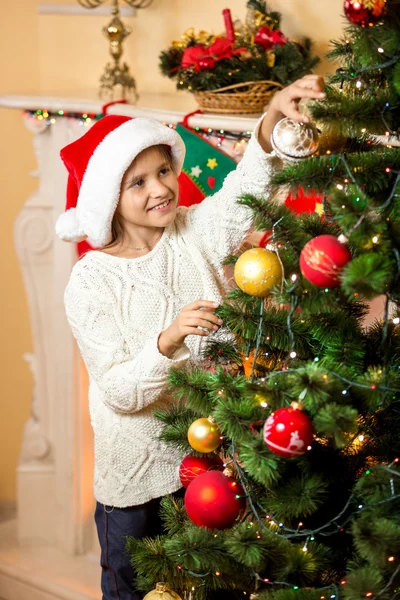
x,y
197,318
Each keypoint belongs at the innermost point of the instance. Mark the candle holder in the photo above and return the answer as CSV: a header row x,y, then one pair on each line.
x,y
117,74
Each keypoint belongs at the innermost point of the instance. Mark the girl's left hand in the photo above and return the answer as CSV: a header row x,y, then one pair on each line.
x,y
286,104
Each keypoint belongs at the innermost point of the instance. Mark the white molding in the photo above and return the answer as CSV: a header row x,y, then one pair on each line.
x,y
80,105
76,9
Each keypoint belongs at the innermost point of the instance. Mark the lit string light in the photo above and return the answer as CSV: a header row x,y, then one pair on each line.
x,y
221,135
307,533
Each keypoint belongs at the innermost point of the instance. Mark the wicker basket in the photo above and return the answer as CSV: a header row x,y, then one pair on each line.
x,y
245,98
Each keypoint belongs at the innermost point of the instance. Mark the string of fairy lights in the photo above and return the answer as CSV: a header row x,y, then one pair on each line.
x,y
235,141
336,160
360,82
276,527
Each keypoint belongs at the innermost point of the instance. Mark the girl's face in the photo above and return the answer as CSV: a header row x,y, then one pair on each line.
x,y
149,191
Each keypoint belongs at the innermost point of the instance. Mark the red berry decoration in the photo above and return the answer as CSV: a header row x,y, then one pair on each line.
x,y
358,14
214,501
193,466
288,432
322,260
206,63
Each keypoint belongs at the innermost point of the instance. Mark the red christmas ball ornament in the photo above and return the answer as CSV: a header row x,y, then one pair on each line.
x,y
206,64
288,432
193,466
359,14
322,260
214,501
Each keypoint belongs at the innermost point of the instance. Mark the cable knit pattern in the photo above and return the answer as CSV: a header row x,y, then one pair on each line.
x,y
117,308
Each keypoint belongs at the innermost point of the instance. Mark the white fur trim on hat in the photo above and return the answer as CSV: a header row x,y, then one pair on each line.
x,y
67,227
101,184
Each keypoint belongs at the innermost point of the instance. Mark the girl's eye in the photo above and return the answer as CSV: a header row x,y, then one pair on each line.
x,y
138,183
165,171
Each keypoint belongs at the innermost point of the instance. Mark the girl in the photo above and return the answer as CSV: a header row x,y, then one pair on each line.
x,y
146,300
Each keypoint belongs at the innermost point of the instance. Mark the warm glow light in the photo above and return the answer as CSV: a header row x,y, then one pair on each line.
x,y
391,558
361,438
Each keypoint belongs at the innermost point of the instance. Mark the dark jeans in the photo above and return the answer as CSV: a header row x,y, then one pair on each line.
x,y
113,526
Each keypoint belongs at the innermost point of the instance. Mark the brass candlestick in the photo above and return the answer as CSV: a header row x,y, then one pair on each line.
x,y
117,74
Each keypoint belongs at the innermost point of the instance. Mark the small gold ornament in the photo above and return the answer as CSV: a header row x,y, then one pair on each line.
x,y
257,271
162,593
294,141
270,58
204,435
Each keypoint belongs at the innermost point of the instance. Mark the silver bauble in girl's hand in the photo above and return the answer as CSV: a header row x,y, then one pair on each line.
x,y
294,141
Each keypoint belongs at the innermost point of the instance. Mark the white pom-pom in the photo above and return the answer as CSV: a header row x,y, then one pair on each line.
x,y
67,227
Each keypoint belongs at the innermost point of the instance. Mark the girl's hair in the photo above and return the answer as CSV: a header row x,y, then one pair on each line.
x,y
117,232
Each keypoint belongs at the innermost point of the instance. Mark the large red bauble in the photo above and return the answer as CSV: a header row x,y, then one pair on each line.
x,y
322,260
288,432
214,501
193,466
357,14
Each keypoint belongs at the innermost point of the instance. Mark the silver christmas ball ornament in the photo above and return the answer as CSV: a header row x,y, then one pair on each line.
x,y
294,141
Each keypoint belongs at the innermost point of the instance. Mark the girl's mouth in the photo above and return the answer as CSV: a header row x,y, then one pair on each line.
x,y
161,207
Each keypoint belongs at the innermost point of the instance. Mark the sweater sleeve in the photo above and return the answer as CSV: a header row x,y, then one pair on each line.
x,y
128,383
219,222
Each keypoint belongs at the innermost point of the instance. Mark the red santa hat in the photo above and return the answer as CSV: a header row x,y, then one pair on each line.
x,y
96,164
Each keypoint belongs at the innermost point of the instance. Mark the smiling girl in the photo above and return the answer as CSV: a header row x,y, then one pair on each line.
x,y
145,300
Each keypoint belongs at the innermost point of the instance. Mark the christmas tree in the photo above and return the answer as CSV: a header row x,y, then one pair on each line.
x,y
308,506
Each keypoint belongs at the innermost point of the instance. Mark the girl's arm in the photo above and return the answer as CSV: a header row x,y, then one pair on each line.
x,y
220,224
128,383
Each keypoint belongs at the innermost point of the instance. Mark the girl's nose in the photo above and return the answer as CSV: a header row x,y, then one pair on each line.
x,y
158,188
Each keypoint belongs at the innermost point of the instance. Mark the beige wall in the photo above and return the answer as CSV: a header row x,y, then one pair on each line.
x,y
65,54
19,53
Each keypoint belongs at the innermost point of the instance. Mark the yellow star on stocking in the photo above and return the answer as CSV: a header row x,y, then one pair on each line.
x,y
212,163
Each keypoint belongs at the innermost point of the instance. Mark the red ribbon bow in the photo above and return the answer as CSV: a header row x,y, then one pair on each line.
x,y
267,38
201,57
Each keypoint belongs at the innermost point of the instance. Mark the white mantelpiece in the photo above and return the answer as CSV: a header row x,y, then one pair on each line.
x,y
55,501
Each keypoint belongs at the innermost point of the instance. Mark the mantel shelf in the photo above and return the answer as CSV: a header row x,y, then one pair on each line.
x,y
174,108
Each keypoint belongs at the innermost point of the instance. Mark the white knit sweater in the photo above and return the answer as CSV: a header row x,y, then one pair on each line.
x,y
117,307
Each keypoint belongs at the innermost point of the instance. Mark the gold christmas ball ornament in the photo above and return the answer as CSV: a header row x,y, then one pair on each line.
x,y
162,593
294,141
257,271
204,435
